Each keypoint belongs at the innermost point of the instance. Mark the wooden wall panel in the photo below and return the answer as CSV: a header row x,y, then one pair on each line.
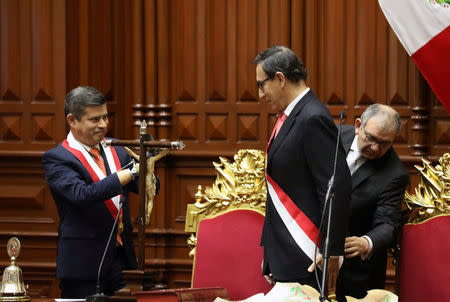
x,y
32,53
95,55
355,59
226,113
217,60
439,124
32,90
10,56
151,61
185,66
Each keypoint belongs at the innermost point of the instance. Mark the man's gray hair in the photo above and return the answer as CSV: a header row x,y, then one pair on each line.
x,y
390,117
81,97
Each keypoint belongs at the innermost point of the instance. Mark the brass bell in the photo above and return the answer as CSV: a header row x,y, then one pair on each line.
x,y
12,288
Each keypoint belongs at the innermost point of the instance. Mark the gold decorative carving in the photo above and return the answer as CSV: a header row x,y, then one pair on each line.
x,y
239,185
192,243
432,196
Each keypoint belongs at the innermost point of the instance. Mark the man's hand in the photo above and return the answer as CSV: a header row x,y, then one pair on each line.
x,y
319,262
356,246
269,278
125,176
332,271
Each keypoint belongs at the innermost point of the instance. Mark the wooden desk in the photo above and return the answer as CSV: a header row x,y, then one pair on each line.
x,y
207,294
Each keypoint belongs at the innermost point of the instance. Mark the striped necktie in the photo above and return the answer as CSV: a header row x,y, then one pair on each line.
x,y
101,164
98,159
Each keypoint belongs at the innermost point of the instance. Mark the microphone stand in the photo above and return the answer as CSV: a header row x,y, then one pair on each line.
x,y
99,296
329,197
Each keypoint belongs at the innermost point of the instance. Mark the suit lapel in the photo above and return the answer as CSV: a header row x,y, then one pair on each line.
x,y
276,142
366,170
287,125
369,168
347,136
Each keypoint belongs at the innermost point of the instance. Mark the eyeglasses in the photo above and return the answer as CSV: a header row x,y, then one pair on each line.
x,y
375,141
260,84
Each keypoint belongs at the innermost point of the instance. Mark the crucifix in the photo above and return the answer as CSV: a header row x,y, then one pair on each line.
x,y
149,153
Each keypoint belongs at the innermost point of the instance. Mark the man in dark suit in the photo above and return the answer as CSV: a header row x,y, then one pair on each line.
x,y
379,180
300,157
88,181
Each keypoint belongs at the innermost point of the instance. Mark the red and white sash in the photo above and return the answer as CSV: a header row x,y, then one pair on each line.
x,y
297,223
71,144
301,228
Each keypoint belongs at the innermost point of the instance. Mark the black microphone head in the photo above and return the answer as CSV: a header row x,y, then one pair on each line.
x,y
342,114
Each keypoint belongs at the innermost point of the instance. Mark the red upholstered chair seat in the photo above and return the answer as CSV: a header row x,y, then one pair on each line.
x,y
228,254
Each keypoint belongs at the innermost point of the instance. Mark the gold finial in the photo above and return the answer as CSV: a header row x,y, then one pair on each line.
x,y
198,196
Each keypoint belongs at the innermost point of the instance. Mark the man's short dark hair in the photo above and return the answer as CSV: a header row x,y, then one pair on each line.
x,y
81,97
281,59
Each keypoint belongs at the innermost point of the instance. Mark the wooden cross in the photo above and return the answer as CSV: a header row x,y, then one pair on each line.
x,y
146,181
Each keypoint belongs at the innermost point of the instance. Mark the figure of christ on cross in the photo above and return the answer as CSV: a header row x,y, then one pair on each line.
x,y
147,180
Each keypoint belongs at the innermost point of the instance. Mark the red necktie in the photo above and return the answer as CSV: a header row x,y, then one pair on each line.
x,y
279,123
101,164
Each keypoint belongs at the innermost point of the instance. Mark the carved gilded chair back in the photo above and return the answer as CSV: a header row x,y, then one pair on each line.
x,y
239,185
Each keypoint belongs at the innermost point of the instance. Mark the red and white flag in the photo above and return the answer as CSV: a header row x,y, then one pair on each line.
x,y
423,28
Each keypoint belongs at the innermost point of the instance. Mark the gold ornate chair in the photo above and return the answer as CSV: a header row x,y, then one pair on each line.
x,y
227,219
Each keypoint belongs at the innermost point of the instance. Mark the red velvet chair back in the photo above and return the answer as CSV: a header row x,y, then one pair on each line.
x,y
228,254
424,264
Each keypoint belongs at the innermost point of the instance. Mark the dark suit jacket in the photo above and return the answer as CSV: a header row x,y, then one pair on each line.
x,y
377,191
85,221
300,160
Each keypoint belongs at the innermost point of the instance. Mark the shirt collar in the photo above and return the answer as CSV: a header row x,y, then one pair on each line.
x,y
291,106
86,146
354,147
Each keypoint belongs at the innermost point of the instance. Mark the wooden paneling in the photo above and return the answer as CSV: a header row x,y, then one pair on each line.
x,y
32,90
439,124
28,212
32,77
95,55
185,66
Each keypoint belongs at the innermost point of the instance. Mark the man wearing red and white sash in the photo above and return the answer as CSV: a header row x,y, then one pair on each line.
x,y
88,180
300,156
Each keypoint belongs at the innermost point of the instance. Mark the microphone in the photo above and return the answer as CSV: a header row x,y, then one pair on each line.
x,y
99,296
329,196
